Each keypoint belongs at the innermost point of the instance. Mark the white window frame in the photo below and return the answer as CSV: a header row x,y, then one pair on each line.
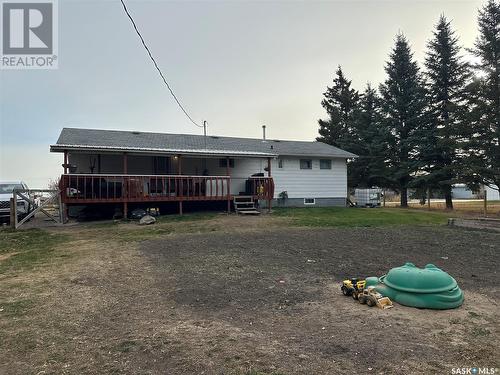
x,y
309,203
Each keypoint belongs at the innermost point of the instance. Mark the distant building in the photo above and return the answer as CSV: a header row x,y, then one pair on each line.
x,y
461,191
492,194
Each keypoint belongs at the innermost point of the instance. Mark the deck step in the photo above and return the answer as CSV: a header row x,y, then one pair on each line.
x,y
245,205
249,212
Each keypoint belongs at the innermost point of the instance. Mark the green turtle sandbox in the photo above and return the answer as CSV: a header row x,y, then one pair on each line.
x,y
427,288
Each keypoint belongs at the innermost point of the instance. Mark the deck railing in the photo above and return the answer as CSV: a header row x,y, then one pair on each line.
x,y
101,188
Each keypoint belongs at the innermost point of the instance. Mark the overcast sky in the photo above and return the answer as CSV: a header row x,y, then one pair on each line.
x,y
236,64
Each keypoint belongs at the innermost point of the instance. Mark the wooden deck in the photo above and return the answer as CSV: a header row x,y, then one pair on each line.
x,y
120,188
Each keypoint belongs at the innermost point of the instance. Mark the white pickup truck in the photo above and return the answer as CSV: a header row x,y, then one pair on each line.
x,y
6,188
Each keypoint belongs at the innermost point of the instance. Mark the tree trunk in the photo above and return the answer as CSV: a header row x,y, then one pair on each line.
x,y
448,198
404,197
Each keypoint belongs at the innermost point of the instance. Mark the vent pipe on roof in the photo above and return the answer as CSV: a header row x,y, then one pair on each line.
x,y
263,133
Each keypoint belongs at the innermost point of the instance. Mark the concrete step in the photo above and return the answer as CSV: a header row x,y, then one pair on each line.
x,y
249,212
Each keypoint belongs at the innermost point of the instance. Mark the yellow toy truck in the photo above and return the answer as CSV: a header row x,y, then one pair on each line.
x,y
352,287
357,289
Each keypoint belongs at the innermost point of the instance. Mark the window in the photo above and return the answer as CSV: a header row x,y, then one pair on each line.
x,y
309,201
223,163
306,164
280,163
325,164
9,188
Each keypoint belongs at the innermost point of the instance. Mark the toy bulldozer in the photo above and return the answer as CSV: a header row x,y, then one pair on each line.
x,y
356,288
373,298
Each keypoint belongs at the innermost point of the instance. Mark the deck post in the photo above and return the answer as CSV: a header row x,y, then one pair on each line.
x,y
62,190
270,199
228,173
181,187
65,165
124,186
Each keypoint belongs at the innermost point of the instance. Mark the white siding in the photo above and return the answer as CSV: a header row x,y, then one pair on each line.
x,y
462,192
310,183
492,193
243,168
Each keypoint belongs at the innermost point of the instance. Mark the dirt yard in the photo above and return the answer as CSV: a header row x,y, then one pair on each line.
x,y
237,295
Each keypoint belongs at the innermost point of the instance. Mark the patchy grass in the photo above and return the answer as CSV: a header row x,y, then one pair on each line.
x,y
360,217
126,346
197,216
242,301
28,248
126,231
464,207
16,308
480,331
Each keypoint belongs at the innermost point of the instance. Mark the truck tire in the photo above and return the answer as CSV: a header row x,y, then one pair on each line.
x,y
362,299
370,301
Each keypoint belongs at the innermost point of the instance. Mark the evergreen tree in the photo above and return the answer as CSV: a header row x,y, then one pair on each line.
x,y
447,77
483,164
369,168
340,102
403,110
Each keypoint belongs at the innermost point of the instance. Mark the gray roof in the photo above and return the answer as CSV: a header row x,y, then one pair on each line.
x,y
132,141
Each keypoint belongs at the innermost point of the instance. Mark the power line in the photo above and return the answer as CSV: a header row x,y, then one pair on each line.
x,y
156,66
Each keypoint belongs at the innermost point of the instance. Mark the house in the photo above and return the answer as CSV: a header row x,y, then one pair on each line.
x,y
493,192
462,191
141,168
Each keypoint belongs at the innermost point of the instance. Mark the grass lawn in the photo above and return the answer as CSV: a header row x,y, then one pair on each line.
x,y
24,249
467,206
360,217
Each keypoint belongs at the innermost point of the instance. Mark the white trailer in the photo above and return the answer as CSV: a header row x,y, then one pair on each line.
x,y
368,197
